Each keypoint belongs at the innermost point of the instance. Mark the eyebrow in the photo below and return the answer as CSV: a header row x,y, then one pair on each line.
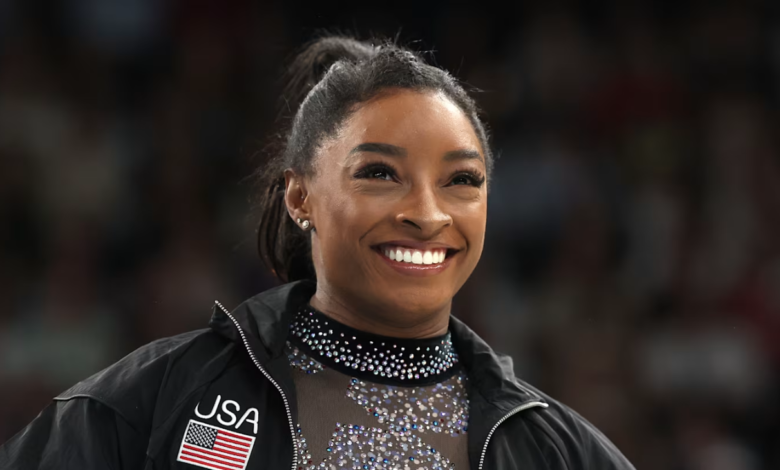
x,y
462,154
395,151
384,149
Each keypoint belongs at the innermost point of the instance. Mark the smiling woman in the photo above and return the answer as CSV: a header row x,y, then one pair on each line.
x,y
373,214
404,175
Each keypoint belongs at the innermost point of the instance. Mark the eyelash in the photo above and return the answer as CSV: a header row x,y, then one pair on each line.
x,y
372,169
475,179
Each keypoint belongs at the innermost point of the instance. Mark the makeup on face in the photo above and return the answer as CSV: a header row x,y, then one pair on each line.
x,y
400,203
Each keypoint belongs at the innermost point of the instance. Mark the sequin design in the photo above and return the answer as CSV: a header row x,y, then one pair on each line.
x,y
302,362
438,408
305,459
338,346
404,416
376,448
361,447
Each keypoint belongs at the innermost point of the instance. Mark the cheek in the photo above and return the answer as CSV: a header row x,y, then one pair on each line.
x,y
472,220
342,222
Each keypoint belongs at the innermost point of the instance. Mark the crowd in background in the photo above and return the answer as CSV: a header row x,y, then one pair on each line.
x,y
632,262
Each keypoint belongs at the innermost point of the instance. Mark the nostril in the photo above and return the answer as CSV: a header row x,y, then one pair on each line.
x,y
409,222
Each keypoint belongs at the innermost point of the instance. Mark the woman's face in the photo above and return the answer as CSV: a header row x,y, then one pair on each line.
x,y
399,203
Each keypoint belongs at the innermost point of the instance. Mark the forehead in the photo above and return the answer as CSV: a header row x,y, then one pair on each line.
x,y
428,122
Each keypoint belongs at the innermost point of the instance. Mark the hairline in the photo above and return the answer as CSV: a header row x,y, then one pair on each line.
x,y
382,93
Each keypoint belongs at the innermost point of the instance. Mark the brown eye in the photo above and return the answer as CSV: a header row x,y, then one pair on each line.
x,y
467,179
376,171
380,174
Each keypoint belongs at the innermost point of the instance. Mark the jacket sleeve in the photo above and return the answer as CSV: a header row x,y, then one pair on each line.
x,y
79,434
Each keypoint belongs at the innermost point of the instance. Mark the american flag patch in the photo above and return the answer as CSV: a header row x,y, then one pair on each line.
x,y
211,447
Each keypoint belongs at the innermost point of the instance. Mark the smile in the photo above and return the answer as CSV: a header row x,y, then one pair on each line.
x,y
414,256
419,261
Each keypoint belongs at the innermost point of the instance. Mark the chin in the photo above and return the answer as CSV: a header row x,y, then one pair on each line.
x,y
417,301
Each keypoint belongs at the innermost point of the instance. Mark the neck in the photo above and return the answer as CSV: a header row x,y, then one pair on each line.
x,y
376,319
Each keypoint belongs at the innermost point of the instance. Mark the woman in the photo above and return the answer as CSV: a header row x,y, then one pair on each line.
x,y
374,216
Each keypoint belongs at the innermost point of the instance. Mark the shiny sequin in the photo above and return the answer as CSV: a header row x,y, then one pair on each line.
x,y
302,362
339,346
361,447
304,456
438,408
404,416
378,448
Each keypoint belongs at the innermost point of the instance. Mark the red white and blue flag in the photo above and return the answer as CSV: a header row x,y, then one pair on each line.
x,y
215,448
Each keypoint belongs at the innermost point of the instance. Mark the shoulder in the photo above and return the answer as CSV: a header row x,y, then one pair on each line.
x,y
74,434
578,442
133,386
563,435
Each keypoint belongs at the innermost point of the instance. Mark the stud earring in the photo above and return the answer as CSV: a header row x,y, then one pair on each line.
x,y
304,223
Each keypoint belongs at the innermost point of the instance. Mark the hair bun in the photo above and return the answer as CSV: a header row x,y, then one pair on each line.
x,y
316,58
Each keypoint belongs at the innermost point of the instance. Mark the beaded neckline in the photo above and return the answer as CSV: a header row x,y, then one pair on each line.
x,y
381,359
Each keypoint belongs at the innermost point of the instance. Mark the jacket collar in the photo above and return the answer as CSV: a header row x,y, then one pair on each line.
x,y
266,317
491,374
494,391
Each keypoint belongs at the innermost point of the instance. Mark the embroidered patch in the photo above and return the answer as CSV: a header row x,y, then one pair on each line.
x,y
215,448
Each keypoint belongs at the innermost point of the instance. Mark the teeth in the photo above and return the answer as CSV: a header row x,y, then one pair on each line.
x,y
408,255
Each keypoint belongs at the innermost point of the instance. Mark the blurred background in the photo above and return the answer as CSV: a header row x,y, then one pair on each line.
x,y
632,267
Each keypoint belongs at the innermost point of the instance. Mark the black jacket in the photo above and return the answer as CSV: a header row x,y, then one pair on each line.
x,y
133,415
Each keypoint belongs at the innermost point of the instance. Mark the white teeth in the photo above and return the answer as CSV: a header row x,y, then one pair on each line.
x,y
416,256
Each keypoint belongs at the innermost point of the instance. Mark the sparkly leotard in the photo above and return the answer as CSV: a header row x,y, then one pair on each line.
x,y
374,402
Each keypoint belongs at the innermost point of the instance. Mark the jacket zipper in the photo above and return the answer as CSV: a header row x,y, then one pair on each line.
x,y
520,408
270,379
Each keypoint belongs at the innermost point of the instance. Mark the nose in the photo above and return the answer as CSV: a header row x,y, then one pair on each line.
x,y
423,211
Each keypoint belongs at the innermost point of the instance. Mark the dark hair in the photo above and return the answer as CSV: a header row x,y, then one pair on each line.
x,y
325,83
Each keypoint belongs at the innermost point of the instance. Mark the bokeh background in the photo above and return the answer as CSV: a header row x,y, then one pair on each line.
x,y
632,267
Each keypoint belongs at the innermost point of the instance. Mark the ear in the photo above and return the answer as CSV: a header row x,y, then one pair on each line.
x,y
296,197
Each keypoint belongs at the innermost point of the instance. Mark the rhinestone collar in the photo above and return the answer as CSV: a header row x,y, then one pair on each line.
x,y
381,359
